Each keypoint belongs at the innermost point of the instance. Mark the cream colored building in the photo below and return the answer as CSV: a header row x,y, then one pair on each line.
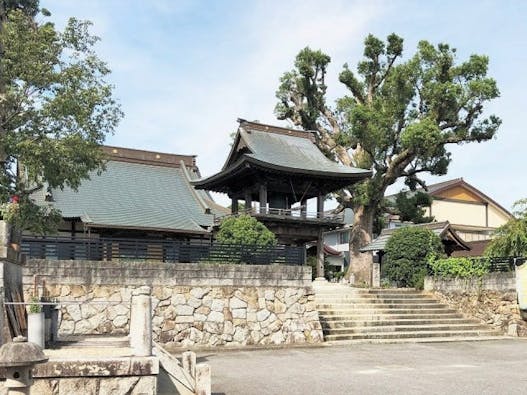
x,y
471,213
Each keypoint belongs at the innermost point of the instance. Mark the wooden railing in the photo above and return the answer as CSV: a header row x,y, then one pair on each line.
x,y
294,214
107,249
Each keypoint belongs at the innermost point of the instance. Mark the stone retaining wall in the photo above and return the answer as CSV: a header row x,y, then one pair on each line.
x,y
491,299
496,308
193,304
492,282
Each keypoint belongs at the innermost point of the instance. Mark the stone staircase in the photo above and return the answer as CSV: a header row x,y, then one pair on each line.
x,y
391,315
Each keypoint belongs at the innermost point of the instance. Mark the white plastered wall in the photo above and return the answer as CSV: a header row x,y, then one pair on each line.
x,y
459,213
497,217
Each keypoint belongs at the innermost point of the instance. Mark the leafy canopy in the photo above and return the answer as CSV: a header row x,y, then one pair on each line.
x,y
407,254
411,206
398,117
245,229
510,240
55,108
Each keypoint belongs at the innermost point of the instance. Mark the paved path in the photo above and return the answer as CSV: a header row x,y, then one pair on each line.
x,y
486,367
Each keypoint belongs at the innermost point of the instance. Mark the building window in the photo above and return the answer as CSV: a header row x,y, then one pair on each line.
x,y
344,237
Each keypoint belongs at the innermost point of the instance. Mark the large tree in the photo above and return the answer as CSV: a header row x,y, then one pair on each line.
x,y
55,108
398,119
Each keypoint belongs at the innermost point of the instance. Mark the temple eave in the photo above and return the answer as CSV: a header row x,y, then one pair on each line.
x,y
225,181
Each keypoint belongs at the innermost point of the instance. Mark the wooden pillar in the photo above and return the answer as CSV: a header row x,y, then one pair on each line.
x,y
248,201
263,198
320,255
303,208
320,206
234,206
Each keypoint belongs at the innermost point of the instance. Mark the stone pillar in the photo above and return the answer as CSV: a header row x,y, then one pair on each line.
x,y
320,255
263,198
203,379
141,322
234,206
376,275
4,239
320,206
188,361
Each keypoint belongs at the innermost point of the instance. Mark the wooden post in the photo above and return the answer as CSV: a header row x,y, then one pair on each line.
x,y
248,201
263,198
234,206
320,254
320,206
303,208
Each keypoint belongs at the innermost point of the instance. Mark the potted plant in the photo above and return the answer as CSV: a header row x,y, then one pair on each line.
x,y
35,322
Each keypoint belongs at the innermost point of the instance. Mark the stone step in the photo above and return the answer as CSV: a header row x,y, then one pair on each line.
x,y
403,328
379,306
437,339
354,295
387,317
321,301
346,323
378,311
343,288
94,341
387,290
413,334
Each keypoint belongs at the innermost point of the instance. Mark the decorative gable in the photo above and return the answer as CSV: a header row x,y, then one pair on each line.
x,y
459,193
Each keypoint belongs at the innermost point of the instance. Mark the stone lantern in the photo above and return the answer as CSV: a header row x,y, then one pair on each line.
x,y
18,358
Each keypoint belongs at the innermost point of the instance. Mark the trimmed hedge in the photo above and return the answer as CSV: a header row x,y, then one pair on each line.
x,y
407,253
459,267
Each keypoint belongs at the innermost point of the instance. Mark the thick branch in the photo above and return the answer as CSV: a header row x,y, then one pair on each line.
x,y
327,138
386,72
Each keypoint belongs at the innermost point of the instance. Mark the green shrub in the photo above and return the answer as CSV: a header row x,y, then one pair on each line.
x,y
459,267
34,305
407,253
245,230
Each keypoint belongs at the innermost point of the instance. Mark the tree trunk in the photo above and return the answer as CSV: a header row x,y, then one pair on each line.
x,y
3,155
361,263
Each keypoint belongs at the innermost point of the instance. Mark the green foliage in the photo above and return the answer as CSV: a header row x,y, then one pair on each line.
x,y
35,306
245,229
397,117
27,215
56,107
410,206
459,267
311,261
511,239
407,254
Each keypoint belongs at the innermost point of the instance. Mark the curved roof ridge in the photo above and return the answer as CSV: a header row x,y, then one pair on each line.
x,y
276,129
